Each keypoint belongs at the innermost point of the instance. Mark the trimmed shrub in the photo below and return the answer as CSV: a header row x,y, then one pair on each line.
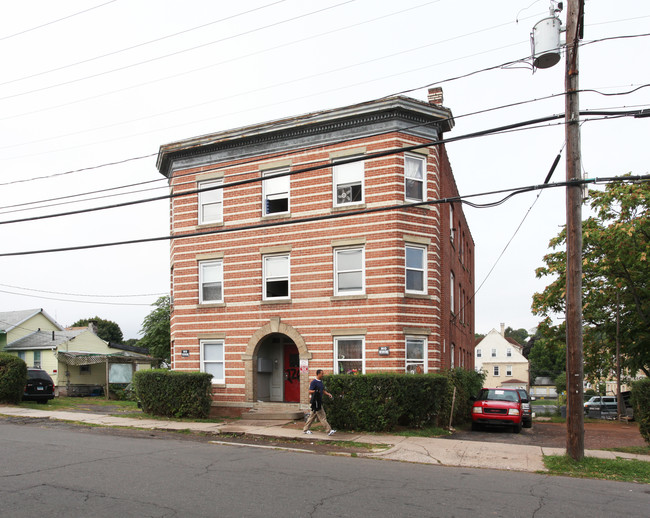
x,y
13,377
174,394
467,383
640,398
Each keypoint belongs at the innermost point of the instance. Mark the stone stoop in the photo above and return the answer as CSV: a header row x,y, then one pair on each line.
x,y
275,411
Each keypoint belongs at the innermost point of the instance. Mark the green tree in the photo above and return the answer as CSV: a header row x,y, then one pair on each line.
x,y
616,273
547,356
519,335
106,329
156,330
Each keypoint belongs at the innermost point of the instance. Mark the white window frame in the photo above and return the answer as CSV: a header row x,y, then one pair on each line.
x,y
494,353
422,269
422,180
214,197
37,359
203,266
412,364
452,288
338,339
218,361
452,352
509,370
348,174
495,370
275,189
478,353
338,271
268,277
452,229
509,352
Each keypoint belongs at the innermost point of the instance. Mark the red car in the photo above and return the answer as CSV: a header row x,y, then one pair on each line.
x,y
497,406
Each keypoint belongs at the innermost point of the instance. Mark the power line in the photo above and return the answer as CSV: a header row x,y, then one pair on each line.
x,y
94,302
54,21
338,215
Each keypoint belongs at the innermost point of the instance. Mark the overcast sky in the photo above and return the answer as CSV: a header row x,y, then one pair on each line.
x,y
89,90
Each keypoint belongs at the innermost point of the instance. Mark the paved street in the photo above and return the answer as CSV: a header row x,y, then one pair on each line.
x,y
58,472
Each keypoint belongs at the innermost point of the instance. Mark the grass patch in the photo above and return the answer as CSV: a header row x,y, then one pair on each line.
x,y
73,403
141,415
637,450
621,470
544,402
360,445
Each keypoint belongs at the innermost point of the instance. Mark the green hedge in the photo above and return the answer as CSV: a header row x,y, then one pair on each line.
x,y
13,377
381,402
174,394
640,399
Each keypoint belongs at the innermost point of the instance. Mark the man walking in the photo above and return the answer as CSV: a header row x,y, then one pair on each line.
x,y
316,391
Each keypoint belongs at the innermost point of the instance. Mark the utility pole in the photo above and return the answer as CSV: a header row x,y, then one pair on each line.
x,y
574,361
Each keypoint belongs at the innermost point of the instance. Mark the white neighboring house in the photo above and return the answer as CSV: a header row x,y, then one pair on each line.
x,y
502,360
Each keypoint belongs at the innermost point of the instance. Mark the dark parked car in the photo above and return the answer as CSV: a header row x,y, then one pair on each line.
x,y
526,410
500,407
39,386
602,406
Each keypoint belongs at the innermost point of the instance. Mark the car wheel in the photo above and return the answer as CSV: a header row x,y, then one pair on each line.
x,y
528,424
516,428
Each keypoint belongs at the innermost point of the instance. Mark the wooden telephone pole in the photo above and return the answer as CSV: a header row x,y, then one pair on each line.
x,y
574,361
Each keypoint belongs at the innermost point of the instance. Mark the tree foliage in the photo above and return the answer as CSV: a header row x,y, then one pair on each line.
x,y
547,356
616,246
156,330
519,335
106,329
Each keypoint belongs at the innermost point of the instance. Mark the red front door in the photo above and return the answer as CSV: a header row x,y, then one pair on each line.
x,y
291,373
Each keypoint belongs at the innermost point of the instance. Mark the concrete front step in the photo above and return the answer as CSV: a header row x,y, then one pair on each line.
x,y
274,411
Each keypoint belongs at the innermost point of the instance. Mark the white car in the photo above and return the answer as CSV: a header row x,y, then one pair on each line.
x,y
606,404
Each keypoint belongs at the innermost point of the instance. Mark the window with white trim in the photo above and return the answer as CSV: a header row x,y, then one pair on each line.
x,y
478,353
496,370
508,370
275,192
276,276
348,183
494,353
414,177
416,348
452,291
212,359
37,359
210,281
210,203
415,269
349,271
452,353
349,355
509,352
452,230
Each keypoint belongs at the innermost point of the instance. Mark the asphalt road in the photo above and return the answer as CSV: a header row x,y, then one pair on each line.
x,y
71,472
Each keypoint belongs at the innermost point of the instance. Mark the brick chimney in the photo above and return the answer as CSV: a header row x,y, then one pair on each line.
x,y
435,96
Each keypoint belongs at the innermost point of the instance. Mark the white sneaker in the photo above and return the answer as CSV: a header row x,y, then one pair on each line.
x,y
308,432
332,432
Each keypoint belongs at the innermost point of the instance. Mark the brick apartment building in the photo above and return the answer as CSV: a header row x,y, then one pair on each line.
x,y
298,245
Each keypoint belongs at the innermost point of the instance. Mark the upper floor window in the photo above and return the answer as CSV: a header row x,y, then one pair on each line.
x,y
416,355
210,203
276,277
508,370
348,183
349,271
494,353
210,281
496,370
275,192
478,353
452,229
212,359
452,291
452,354
414,177
415,269
349,356
509,351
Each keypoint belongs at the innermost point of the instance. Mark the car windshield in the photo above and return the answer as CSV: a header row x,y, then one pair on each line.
x,y
523,394
37,375
498,395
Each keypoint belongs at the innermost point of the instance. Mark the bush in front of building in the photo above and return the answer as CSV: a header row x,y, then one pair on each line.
x,y
174,394
381,402
640,399
13,377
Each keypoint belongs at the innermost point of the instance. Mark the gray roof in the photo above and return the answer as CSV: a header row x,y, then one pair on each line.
x,y
11,319
43,340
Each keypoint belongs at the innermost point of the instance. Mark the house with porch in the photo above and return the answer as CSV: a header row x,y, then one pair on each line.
x,y
502,361
332,240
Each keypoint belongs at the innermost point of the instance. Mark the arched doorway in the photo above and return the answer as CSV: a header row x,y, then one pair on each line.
x,y
278,370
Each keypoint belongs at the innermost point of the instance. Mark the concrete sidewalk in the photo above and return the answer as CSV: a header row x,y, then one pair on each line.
x,y
443,452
